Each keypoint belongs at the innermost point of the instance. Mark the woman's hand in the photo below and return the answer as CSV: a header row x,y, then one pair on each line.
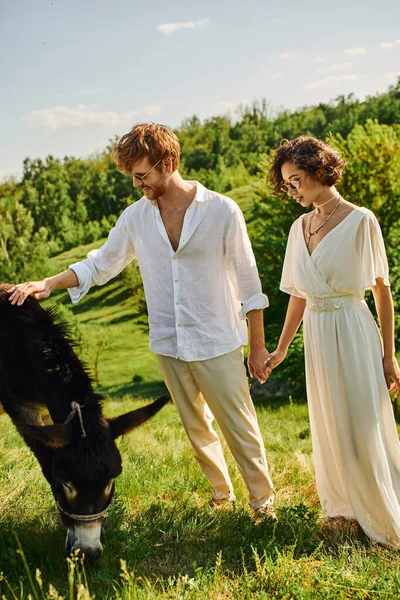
x,y
392,374
275,359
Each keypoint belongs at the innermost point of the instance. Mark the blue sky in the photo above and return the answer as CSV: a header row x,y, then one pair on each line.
x,y
75,73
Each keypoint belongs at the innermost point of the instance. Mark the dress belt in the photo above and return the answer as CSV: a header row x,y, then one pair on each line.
x,y
328,304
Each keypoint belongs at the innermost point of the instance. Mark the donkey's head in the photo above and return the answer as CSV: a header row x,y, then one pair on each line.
x,y
81,462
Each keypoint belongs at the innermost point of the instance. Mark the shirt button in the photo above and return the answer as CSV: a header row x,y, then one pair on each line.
x,y
177,302
176,280
179,325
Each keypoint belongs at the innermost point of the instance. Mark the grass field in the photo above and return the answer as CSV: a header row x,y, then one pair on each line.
x,y
161,539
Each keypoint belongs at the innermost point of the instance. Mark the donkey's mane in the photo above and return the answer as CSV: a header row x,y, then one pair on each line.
x,y
48,344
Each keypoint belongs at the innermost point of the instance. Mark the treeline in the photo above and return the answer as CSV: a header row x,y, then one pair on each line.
x,y
61,203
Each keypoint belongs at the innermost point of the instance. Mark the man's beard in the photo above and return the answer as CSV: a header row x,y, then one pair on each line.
x,y
156,191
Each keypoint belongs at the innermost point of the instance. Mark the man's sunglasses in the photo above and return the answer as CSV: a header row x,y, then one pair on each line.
x,y
141,177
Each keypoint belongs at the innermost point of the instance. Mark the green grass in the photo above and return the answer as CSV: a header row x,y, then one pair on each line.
x,y
161,539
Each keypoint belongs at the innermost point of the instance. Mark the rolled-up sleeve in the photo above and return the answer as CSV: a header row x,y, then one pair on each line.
x,y
105,263
241,264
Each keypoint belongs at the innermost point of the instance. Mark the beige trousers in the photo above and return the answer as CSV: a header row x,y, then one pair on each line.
x,y
217,387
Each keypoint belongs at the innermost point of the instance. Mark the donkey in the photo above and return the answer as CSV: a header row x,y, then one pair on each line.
x,y
48,394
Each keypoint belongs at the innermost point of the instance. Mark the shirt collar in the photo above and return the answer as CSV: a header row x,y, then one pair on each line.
x,y
201,191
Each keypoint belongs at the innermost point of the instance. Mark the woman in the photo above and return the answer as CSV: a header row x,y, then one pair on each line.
x,y
334,253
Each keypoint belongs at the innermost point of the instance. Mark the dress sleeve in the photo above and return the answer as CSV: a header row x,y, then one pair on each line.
x,y
288,272
371,248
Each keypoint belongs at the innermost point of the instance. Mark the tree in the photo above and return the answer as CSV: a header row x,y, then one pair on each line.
x,y
371,179
23,252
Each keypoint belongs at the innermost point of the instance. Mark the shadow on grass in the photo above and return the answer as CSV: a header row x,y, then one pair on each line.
x,y
107,296
169,539
149,390
276,402
42,540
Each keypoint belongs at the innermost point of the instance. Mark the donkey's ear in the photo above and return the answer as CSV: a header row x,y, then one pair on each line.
x,y
125,423
54,436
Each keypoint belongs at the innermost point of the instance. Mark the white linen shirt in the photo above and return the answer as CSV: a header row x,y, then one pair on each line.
x,y
194,295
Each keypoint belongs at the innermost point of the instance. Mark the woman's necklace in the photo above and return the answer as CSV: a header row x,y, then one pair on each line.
x,y
325,203
310,233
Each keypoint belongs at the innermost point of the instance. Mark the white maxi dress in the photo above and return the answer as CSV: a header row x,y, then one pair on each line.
x,y
356,449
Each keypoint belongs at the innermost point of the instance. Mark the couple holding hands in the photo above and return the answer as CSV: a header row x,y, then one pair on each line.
x,y
201,285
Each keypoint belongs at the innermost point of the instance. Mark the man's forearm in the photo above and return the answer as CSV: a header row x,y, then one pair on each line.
x,y
62,281
255,319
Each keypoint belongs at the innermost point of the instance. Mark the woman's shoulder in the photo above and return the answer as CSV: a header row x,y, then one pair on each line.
x,y
296,226
365,214
367,225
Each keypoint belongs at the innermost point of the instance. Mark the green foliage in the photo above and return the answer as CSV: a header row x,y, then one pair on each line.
x,y
132,280
23,251
372,179
77,201
373,172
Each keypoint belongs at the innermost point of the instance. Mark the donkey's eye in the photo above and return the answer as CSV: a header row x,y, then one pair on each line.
x,y
69,490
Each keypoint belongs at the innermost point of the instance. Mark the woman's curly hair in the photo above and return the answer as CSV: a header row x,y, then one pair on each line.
x,y
315,157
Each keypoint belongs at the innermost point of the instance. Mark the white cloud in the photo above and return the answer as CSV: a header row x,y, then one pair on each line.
x,y
326,81
393,74
338,67
275,76
286,55
353,52
62,118
318,59
389,45
168,28
151,109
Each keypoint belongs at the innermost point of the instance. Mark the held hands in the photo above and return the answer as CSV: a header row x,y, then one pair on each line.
x,y
275,359
20,292
256,362
392,372
261,363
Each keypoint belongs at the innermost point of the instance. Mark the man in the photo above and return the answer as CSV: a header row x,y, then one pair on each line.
x,y
201,283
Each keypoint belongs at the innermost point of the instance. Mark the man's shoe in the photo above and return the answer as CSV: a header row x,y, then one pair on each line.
x,y
222,503
267,511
